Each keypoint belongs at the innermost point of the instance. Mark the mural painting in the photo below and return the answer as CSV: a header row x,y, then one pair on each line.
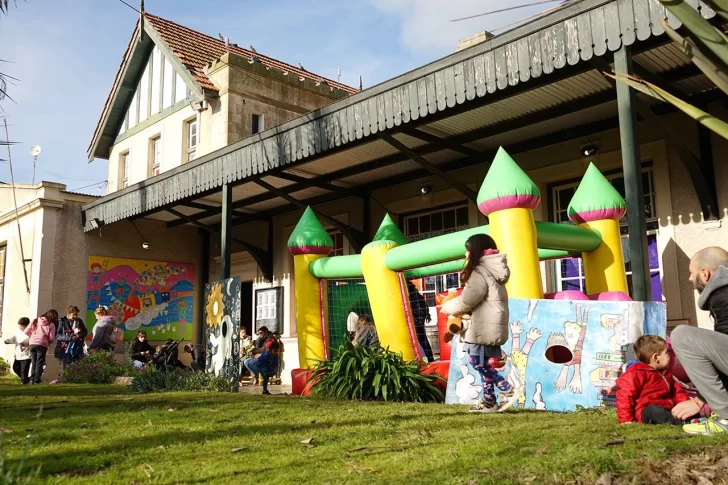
x,y
586,348
153,296
222,319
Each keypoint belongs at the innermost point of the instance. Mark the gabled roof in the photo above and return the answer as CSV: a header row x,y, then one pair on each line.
x,y
196,49
189,52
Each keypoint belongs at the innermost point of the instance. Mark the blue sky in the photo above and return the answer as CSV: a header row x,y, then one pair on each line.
x,y
65,54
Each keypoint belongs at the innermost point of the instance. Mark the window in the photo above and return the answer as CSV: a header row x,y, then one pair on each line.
x,y
570,272
338,238
125,162
155,158
3,252
192,138
425,225
258,124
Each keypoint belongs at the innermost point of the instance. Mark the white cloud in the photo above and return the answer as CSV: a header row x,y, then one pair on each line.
x,y
427,25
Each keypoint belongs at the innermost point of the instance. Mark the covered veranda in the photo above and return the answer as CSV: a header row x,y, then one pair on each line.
x,y
536,86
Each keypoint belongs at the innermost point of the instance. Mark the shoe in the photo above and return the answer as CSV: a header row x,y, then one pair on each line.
x,y
509,398
266,392
484,406
712,425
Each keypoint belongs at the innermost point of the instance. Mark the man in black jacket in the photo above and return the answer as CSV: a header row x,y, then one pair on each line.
x,y
198,357
421,316
702,352
70,336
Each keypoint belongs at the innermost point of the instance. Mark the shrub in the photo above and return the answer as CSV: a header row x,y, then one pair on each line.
x,y
376,374
97,368
4,367
152,380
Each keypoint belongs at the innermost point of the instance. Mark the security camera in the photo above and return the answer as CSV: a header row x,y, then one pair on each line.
x,y
425,189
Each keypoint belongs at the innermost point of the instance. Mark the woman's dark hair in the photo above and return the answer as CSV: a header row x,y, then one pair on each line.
x,y
139,334
476,245
52,316
263,329
73,309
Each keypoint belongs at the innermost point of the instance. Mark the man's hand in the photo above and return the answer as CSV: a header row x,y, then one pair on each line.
x,y
686,409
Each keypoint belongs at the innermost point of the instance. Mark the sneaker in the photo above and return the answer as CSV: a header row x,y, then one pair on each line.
x,y
484,406
509,398
713,425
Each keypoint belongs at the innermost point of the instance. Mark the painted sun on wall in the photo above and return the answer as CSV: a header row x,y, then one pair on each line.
x,y
145,295
566,353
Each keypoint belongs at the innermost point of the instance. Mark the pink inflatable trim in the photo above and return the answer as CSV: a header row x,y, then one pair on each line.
x,y
573,295
610,296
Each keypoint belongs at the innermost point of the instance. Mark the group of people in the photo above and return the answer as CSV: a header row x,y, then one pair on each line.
x,y
165,357
262,357
649,393
32,340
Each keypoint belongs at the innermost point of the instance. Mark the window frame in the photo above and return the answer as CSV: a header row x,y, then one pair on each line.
x,y
155,155
125,169
337,235
191,151
258,127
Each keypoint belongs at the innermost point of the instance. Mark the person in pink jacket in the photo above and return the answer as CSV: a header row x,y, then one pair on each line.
x,y
42,333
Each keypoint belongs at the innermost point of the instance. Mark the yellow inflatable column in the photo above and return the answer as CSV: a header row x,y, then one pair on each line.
x,y
388,295
508,197
598,206
309,242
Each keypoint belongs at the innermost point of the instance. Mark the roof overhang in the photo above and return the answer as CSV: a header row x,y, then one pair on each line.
x,y
528,88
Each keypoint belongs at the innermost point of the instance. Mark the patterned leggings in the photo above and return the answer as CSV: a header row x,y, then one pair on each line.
x,y
491,378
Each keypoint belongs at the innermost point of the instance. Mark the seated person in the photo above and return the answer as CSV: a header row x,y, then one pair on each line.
x,y
167,356
265,363
141,351
366,334
646,392
198,357
264,338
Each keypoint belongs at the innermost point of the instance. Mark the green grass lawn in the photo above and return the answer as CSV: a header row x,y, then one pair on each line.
x,y
104,434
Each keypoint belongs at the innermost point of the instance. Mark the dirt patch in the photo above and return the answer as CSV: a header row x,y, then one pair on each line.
x,y
709,468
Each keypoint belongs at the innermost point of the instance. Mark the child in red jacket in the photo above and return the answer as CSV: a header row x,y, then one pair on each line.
x,y
647,392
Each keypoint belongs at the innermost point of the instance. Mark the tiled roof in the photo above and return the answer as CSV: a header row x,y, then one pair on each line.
x,y
195,50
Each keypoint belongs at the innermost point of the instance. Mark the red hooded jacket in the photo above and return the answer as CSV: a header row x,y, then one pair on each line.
x,y
643,385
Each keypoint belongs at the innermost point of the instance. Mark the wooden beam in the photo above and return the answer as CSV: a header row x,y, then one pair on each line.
x,y
470,194
356,238
261,256
441,142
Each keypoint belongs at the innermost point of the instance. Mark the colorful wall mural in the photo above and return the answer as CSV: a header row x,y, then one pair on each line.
x,y
145,295
222,319
594,335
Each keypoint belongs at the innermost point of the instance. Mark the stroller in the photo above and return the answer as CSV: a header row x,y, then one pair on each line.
x,y
167,359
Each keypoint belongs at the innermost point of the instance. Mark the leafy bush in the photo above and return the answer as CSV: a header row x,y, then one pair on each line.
x,y
97,368
4,367
377,374
152,380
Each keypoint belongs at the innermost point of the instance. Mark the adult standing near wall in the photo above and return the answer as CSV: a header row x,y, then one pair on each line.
x,y
103,330
70,337
420,316
704,353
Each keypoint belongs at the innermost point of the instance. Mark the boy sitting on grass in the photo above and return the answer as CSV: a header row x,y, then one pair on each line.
x,y
646,391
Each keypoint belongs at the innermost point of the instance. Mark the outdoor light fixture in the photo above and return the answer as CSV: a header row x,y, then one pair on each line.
x,y
95,224
589,150
146,245
425,189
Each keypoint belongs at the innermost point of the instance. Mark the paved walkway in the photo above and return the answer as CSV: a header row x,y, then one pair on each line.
x,y
272,388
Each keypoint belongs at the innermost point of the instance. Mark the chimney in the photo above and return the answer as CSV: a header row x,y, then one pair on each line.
x,y
474,39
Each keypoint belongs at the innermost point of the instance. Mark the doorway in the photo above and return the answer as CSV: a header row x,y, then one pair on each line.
x,y
246,306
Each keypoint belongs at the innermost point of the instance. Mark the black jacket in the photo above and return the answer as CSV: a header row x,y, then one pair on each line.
x,y
198,355
714,299
64,332
137,347
420,310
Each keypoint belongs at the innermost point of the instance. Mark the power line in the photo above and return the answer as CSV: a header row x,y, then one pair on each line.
x,y
97,184
64,177
504,10
131,7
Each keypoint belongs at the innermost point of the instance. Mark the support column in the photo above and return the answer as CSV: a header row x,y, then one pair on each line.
x,y
227,228
205,272
632,168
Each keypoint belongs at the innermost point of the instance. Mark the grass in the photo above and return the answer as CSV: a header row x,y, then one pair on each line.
x,y
104,434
